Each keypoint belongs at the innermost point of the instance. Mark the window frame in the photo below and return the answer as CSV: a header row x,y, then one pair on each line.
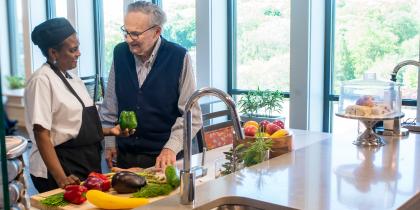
x,y
232,52
11,26
329,98
50,4
4,179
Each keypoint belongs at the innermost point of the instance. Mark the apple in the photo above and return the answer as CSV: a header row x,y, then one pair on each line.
x,y
263,125
279,123
271,128
250,130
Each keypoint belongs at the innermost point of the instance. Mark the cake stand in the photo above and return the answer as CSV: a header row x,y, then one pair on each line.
x,y
368,137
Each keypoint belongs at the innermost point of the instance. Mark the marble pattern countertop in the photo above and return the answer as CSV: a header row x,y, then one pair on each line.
x,y
323,172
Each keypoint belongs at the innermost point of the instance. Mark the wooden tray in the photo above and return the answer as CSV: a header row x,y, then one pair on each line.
x,y
280,146
36,201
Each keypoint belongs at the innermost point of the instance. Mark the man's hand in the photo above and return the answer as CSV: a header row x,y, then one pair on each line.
x,y
116,131
69,180
110,155
165,158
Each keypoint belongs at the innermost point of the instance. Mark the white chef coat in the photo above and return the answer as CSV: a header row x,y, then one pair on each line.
x,y
49,103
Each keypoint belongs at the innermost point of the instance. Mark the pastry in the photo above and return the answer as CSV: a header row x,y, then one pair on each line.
x,y
366,107
358,110
366,100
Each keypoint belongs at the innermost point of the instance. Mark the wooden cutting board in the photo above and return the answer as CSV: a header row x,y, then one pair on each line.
x,y
35,201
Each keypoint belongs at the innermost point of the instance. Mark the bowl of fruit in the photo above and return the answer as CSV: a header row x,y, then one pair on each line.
x,y
282,138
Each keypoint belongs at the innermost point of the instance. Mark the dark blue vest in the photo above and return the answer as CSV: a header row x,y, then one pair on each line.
x,y
155,102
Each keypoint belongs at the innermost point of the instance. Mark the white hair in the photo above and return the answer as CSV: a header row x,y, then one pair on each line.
x,y
158,16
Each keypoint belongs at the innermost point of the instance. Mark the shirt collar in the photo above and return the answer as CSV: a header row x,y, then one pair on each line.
x,y
67,75
152,57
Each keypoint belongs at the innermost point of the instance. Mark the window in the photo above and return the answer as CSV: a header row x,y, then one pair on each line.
x,y
61,8
113,17
375,37
259,43
180,27
16,38
262,45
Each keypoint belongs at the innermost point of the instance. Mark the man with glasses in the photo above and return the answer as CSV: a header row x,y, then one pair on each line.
x,y
154,78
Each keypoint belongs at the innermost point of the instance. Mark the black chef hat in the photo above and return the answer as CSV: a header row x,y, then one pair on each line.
x,y
51,33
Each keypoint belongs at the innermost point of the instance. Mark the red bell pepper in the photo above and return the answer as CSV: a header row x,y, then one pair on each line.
x,y
75,194
99,175
106,184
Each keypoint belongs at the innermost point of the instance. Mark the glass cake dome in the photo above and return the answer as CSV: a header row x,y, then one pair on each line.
x,y
369,98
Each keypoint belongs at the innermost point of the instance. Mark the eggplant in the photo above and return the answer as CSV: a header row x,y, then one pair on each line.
x,y
127,182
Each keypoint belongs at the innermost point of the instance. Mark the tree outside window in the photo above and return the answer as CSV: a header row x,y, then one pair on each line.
x,y
181,27
375,36
263,45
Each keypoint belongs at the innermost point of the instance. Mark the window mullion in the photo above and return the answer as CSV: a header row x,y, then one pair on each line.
x,y
26,33
11,11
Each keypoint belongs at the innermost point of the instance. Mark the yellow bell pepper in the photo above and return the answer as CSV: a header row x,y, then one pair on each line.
x,y
107,201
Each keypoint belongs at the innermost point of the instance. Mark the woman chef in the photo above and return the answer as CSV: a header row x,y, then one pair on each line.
x,y
60,115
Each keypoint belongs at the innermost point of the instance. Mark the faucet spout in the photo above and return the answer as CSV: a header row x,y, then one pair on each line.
x,y
187,175
400,65
395,126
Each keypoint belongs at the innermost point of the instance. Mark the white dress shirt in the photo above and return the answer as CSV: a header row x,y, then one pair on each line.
x,y
108,111
49,103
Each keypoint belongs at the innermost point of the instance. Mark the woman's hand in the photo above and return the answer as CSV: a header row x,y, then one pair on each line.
x,y
69,180
117,131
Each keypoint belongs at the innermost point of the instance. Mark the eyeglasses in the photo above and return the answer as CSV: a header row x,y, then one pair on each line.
x,y
135,34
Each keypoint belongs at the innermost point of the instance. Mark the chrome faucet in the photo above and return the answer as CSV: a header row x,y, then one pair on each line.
x,y
187,173
400,65
396,124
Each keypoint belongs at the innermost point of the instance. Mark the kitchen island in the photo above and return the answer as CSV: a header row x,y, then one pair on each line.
x,y
323,172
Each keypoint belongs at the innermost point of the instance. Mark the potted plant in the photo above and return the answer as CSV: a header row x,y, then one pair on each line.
x,y
14,105
15,82
261,105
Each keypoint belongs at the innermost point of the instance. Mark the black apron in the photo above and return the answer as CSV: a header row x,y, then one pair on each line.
x,y
81,155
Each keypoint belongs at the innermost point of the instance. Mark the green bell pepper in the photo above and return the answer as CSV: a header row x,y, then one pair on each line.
x,y
128,120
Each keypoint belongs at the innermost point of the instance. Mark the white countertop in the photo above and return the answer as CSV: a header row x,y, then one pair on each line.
x,y
13,92
323,172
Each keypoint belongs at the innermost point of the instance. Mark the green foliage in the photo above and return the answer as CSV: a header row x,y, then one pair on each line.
x,y
156,186
263,44
153,190
257,151
182,33
112,38
347,63
54,200
375,38
15,82
272,12
233,157
265,100
253,153
404,27
181,24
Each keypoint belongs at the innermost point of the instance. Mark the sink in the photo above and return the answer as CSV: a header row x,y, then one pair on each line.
x,y
239,203
235,207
